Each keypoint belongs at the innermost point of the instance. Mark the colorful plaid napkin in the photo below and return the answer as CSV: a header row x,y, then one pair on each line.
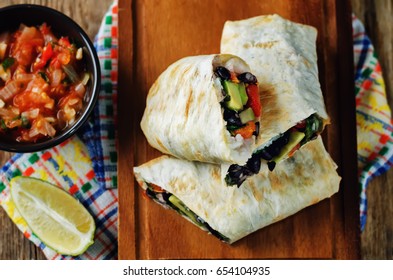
x,y
373,115
86,167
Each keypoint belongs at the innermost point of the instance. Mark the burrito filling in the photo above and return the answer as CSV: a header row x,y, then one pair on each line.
x,y
167,199
241,104
286,144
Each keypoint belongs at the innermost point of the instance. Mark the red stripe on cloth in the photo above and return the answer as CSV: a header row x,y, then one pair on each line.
x,y
114,9
384,138
370,107
106,207
367,84
113,53
359,34
74,189
114,75
90,175
98,236
28,171
114,31
361,50
373,156
46,156
378,67
27,234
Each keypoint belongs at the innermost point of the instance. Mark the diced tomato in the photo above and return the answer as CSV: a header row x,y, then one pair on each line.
x,y
156,188
64,57
254,101
234,78
246,131
55,63
47,54
301,124
45,29
28,100
26,42
64,42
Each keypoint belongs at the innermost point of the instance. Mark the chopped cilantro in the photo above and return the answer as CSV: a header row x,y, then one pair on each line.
x,y
8,62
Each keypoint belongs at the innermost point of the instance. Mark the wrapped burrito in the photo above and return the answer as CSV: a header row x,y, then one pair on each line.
x,y
196,191
282,55
204,108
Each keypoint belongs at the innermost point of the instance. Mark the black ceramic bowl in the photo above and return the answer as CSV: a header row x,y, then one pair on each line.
x,y
61,25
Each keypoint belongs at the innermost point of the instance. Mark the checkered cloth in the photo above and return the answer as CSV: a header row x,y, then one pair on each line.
x,y
84,166
373,115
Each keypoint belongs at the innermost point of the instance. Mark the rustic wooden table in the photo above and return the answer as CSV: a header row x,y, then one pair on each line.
x,y
377,239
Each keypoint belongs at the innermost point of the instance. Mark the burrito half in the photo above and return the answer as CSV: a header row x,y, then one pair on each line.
x,y
196,191
282,55
204,108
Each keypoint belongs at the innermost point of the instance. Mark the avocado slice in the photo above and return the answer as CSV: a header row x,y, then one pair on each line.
x,y
183,209
235,101
295,138
247,115
243,93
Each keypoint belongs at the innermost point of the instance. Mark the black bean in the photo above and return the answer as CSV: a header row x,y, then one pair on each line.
x,y
166,196
271,165
223,73
237,174
254,163
232,117
247,77
283,140
274,149
264,154
150,193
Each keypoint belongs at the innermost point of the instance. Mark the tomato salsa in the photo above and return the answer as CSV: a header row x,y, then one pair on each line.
x,y
43,82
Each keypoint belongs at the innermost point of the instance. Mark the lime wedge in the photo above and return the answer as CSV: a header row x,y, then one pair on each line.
x,y
57,218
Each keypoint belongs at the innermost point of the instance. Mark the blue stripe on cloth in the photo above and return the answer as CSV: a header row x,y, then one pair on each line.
x,y
362,57
9,165
101,221
373,119
92,197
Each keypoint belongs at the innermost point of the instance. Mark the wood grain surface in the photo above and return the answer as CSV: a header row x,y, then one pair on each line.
x,y
376,240
327,230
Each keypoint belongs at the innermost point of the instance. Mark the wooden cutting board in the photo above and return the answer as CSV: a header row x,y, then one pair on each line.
x,y
152,35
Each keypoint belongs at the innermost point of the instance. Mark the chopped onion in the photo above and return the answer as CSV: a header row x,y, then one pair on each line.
x,y
3,49
80,89
9,91
5,75
33,132
56,77
31,114
61,117
2,103
23,77
14,123
47,129
71,73
73,101
85,78
79,54
50,119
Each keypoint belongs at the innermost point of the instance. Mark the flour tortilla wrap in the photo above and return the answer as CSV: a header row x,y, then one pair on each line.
x,y
183,115
282,55
232,213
